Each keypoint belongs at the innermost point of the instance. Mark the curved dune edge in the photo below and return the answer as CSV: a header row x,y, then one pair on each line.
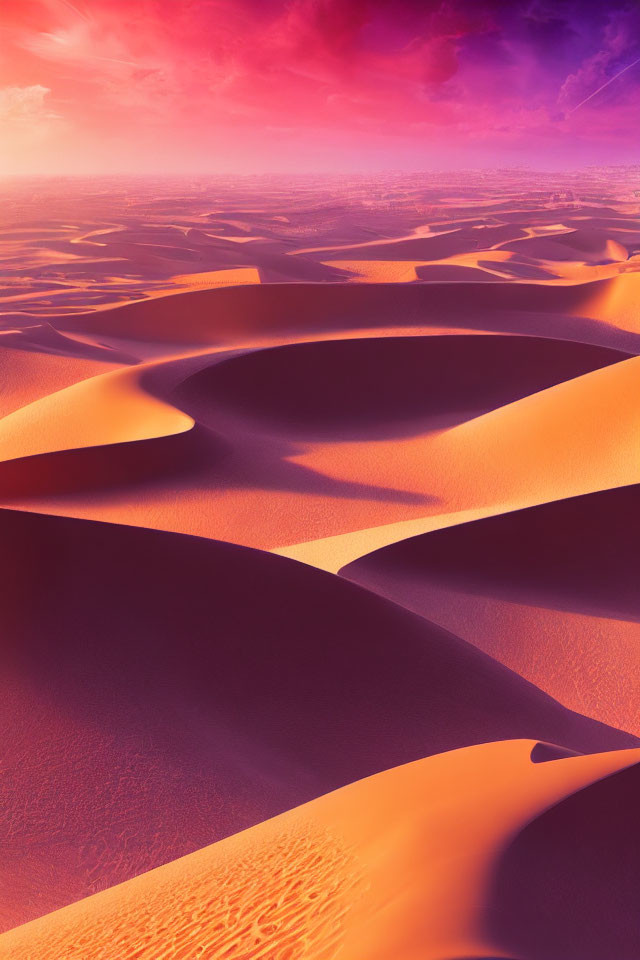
x,y
574,438
550,591
106,409
226,475
490,265
383,386
30,375
333,553
168,691
408,863
616,302
214,278
253,313
575,554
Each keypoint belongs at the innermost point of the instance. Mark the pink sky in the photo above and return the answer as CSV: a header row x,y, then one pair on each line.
x,y
100,86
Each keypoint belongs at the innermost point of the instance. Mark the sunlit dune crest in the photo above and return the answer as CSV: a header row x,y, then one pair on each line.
x,y
215,278
420,861
573,438
144,704
101,410
318,527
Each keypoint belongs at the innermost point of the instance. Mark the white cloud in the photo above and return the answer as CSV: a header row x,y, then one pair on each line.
x,y
25,104
26,124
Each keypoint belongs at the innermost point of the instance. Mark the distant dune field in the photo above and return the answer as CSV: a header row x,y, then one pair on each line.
x,y
319,530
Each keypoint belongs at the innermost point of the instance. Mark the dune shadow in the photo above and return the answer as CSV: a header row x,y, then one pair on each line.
x,y
239,313
578,554
196,459
378,388
567,887
546,752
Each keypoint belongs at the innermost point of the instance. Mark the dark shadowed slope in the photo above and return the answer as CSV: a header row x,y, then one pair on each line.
x,y
551,591
577,554
252,312
566,888
162,691
384,386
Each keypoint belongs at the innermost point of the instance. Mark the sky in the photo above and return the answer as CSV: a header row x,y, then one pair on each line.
x,y
303,86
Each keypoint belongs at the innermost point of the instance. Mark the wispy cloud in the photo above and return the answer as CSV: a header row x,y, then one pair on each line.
x,y
189,75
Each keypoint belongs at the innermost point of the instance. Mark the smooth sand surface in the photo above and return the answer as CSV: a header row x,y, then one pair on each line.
x,y
551,591
577,437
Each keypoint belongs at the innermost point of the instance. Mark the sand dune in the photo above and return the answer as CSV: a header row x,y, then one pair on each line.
x,y
108,409
28,375
250,448
550,591
435,247
252,314
216,278
573,438
427,388
168,690
574,554
483,852
397,385
577,245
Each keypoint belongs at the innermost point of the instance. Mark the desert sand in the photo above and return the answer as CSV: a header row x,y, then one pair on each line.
x,y
318,519
471,853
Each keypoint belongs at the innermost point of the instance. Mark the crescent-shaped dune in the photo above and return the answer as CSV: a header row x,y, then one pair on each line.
x,y
491,851
107,409
168,690
381,386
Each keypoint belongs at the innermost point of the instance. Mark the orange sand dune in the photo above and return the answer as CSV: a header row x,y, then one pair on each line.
x,y
577,256
37,360
576,437
251,447
492,265
165,691
508,849
215,278
105,409
616,301
267,257
551,591
512,262
585,245
433,246
425,388
382,386
28,375
378,271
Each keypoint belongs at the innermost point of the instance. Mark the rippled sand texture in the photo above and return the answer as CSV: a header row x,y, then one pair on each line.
x,y
318,511
399,865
